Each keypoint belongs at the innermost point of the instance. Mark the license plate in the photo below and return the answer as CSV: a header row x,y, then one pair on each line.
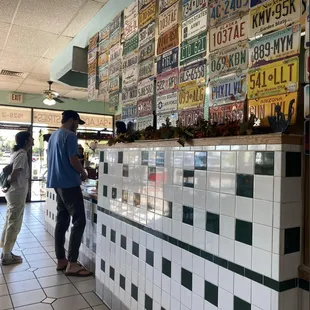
x,y
103,92
103,73
115,24
191,95
114,98
147,33
229,33
281,44
193,72
129,94
104,46
147,14
168,61
223,10
143,3
307,36
195,24
190,7
167,102
193,49
115,52
130,60
264,107
272,15
103,59
256,2
92,68
113,83
307,101
161,119
114,68
146,88
146,69
130,20
144,107
147,51
168,40
115,37
168,19
104,33
190,117
229,59
229,112
92,42
131,44
276,78
92,55
168,81
228,89
130,76
144,122
165,4
129,112
307,69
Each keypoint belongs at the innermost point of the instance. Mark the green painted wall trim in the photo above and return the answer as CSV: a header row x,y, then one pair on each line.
x,y
36,101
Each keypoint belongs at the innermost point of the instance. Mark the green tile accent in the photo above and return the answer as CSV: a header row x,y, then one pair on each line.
x,y
264,163
244,232
240,304
211,293
245,185
213,223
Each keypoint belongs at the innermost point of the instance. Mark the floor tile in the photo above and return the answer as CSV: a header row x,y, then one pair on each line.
x,y
53,280
92,299
15,268
19,276
36,257
48,300
37,250
5,303
50,248
27,298
61,291
3,290
79,279
2,281
38,306
43,263
45,272
101,307
73,303
86,286
23,286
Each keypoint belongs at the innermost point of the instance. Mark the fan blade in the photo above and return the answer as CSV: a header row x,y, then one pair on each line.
x,y
58,100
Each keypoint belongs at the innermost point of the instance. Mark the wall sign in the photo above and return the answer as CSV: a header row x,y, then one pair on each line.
x,y
104,33
16,98
161,119
129,94
130,76
144,122
273,79
129,112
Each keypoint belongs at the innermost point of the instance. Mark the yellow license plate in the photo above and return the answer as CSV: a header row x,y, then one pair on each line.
x,y
273,79
264,107
147,14
191,95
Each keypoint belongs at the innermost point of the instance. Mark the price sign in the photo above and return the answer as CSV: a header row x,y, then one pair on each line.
x,y
130,20
146,69
167,102
147,33
228,89
145,107
190,117
146,88
191,95
264,107
19,115
168,19
194,72
190,7
147,14
131,44
223,10
229,112
277,45
273,15
168,60
147,51
193,49
167,81
273,79
229,60
168,40
229,33
195,24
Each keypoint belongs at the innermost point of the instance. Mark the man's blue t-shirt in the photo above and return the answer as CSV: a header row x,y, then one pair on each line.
x,y
62,145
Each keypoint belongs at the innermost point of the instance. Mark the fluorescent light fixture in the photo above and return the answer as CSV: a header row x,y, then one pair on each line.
x,y
49,101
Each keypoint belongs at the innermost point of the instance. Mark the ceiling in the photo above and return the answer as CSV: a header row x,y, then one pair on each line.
x,y
32,33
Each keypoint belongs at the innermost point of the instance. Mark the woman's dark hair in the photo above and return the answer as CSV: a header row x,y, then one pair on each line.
x,y
21,139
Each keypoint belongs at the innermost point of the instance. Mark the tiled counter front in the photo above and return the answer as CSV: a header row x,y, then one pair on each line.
x,y
202,228
87,254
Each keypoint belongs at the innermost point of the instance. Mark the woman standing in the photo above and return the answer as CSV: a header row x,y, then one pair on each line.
x,y
16,197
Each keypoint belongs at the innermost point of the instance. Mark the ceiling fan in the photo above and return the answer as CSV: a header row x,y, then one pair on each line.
x,y
52,97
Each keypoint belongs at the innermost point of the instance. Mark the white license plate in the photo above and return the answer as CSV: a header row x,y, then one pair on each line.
x,y
190,7
147,33
168,81
193,72
195,24
114,68
167,102
144,107
229,33
130,76
228,89
129,94
165,4
223,10
273,15
113,83
130,20
146,69
229,59
147,51
168,19
281,44
115,52
146,88
144,122
130,60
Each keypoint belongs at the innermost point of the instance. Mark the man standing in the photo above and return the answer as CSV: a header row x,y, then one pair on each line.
x,y
65,174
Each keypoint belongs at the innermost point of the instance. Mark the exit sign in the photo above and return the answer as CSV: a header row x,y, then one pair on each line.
x,y
16,98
